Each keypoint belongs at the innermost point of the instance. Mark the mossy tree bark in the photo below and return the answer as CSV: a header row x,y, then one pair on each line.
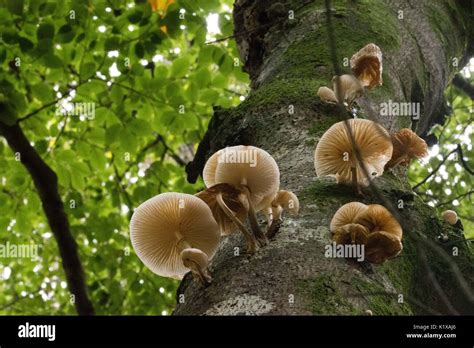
x,y
423,43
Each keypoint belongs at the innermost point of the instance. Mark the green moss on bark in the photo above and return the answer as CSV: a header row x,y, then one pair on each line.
x,y
325,296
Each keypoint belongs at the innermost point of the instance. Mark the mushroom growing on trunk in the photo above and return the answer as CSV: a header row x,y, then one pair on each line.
x,y
407,145
336,156
283,201
343,228
366,65
385,233
250,170
173,233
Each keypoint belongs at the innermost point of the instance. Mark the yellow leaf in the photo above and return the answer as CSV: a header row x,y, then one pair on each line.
x,y
160,5
164,29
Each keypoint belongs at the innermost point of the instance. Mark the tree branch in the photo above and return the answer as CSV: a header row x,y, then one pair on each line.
x,y
434,171
46,183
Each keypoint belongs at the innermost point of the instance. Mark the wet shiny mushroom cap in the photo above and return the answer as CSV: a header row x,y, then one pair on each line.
x,y
163,226
335,155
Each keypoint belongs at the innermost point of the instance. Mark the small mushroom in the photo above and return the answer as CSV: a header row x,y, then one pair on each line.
x,y
230,208
249,169
343,228
283,201
385,233
173,233
347,88
450,217
336,156
407,145
366,65
369,312
327,95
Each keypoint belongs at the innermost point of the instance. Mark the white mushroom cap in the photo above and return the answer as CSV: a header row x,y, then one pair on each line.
x,y
335,155
163,226
244,165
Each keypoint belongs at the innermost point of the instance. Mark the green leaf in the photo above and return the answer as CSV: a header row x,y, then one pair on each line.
x,y
97,159
43,92
139,50
139,127
116,94
45,31
192,92
180,67
53,61
203,77
87,70
112,43
25,44
66,34
15,6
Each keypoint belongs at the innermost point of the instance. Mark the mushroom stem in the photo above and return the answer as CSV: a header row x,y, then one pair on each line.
x,y
400,160
197,262
257,232
355,183
251,246
275,223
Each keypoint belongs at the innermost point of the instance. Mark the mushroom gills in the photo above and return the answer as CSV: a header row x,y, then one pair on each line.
x,y
382,246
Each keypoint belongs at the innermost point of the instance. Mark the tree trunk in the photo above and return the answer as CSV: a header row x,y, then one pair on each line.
x,y
423,44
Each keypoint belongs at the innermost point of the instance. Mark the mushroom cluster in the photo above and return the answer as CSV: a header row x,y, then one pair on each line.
x,y
370,225
173,233
336,152
366,66
241,181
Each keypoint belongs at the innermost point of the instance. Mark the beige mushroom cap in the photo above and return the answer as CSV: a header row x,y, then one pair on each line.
x,y
326,94
377,218
407,145
163,226
348,88
288,201
346,215
335,156
450,216
366,65
244,165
